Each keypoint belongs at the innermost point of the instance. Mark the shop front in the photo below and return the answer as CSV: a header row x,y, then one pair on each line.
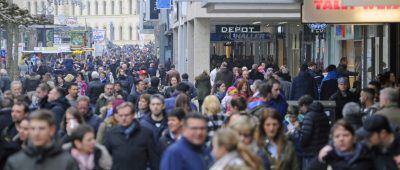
x,y
356,30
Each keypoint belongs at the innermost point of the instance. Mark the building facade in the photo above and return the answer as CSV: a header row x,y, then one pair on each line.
x,y
120,18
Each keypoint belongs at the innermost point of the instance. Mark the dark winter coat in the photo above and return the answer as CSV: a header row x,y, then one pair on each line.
x,y
31,83
95,88
361,160
58,107
93,121
183,155
315,130
341,101
225,76
329,86
50,158
192,89
203,86
343,72
303,84
279,104
5,117
383,158
5,83
165,141
152,91
149,123
137,148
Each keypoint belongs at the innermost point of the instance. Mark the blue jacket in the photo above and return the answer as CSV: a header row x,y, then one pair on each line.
x,y
170,105
279,104
303,84
182,155
93,121
149,123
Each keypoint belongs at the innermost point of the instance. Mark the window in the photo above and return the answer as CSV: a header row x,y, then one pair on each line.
x,y
29,6
35,8
104,8
88,8
130,32
97,8
43,9
120,32
130,7
112,7
120,8
112,32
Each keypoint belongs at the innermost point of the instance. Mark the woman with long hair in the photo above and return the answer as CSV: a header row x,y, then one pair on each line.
x,y
170,90
231,154
72,119
243,88
182,101
212,109
280,150
143,106
344,152
247,128
219,90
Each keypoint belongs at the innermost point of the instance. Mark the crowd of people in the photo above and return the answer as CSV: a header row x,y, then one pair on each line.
x,y
125,113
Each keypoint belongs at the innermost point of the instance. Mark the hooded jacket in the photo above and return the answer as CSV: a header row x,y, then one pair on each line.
x,y
31,83
225,76
48,158
315,130
203,86
58,107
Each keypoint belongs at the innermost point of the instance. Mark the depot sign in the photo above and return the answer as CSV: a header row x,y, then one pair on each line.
x,y
334,11
237,28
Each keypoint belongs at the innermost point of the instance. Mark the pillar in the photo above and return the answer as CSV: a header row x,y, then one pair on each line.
x,y
201,46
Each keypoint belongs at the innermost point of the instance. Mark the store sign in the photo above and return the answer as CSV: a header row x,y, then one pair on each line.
x,y
370,2
334,11
99,36
240,36
317,27
164,4
237,28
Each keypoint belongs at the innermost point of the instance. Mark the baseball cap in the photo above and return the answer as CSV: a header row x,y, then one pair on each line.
x,y
374,123
142,72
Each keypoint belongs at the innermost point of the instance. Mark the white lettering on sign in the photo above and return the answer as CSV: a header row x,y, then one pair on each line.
x,y
233,29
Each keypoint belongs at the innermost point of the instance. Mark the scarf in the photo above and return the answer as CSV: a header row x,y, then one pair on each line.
x,y
350,157
128,130
86,162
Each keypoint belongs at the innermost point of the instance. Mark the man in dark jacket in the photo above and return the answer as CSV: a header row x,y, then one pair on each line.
x,y
192,90
42,151
118,90
152,70
153,89
342,96
95,88
156,120
314,132
58,104
137,91
278,101
5,112
173,73
224,75
5,80
91,119
329,84
189,152
385,143
31,82
104,97
303,84
342,69
130,141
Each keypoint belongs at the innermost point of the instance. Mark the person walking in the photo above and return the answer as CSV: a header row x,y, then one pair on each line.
x,y
203,86
303,84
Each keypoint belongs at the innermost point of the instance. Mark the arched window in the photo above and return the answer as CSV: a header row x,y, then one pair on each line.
x,y
130,32
104,8
29,6
120,8
88,8
35,8
112,32
130,7
97,7
112,7
120,32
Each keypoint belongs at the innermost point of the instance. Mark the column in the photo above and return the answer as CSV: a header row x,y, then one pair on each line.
x,y
190,50
201,46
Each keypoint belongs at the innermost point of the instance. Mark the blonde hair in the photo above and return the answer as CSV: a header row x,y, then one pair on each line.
x,y
211,105
229,139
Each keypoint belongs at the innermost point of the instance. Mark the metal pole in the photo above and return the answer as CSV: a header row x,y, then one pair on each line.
x,y
364,69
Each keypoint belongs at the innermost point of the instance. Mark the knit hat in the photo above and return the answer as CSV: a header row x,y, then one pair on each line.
x,y
69,78
142,72
232,90
116,103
